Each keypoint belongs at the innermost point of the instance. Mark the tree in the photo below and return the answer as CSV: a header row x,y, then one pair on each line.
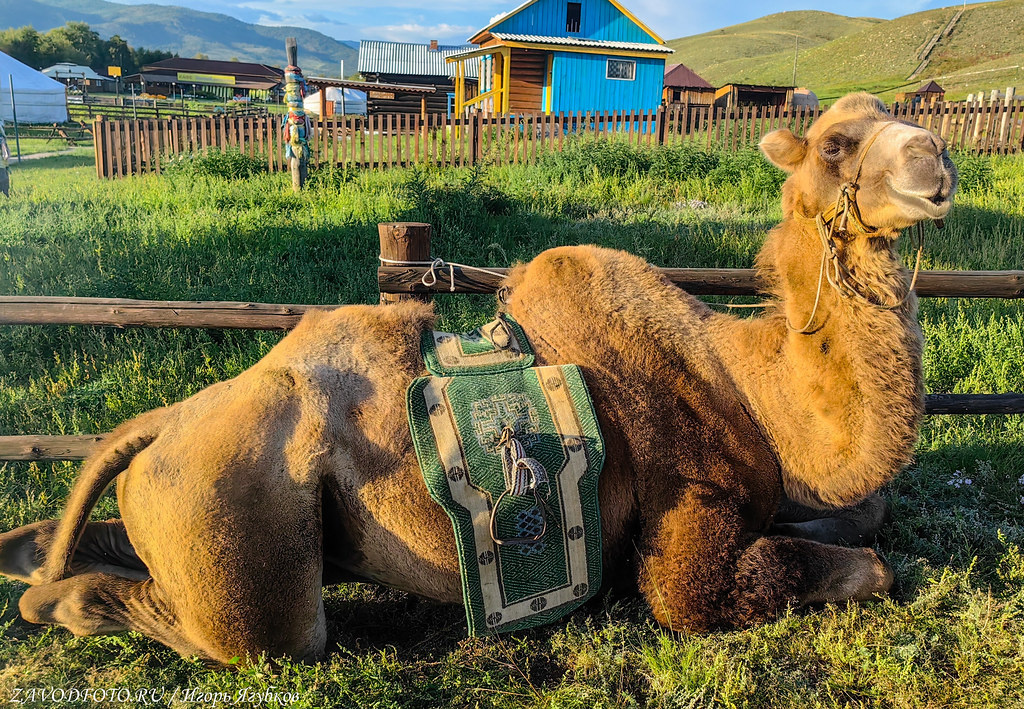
x,y
23,44
82,40
118,53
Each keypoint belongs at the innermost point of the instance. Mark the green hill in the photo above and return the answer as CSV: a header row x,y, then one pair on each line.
x,y
984,50
187,32
766,36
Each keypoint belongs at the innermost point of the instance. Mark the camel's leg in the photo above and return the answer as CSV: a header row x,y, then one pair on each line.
x,y
104,547
703,570
855,525
105,604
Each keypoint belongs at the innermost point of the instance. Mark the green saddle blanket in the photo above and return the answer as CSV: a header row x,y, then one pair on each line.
x,y
514,458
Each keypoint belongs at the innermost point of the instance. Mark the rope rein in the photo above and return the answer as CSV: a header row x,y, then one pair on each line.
x,y
844,217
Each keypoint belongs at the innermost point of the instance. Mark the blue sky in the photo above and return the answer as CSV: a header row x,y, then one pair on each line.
x,y
452,21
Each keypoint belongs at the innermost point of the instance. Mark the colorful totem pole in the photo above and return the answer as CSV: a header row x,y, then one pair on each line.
x,y
297,128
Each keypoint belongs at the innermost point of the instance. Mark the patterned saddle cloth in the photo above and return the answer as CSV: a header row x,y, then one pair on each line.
x,y
513,454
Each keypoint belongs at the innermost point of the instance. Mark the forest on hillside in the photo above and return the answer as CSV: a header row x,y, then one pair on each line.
x,y
77,43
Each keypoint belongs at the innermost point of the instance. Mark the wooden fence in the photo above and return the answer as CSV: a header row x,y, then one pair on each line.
x,y
411,242
128,147
126,108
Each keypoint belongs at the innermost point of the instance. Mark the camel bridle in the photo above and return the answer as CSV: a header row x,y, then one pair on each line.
x,y
844,217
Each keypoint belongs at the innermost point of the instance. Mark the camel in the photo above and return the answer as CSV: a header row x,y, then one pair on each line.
x,y
743,454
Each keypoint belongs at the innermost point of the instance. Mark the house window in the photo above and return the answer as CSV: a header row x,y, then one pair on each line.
x,y
623,69
572,16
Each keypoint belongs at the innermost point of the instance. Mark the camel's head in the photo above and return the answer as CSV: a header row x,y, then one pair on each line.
x,y
902,172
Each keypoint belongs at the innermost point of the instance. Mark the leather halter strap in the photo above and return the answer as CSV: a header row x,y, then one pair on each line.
x,y
844,215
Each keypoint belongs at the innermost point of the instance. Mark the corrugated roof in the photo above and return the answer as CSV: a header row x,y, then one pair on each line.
x,y
67,70
411,59
369,85
680,76
579,42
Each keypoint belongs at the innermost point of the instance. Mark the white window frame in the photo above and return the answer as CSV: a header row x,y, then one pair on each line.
x,y
608,65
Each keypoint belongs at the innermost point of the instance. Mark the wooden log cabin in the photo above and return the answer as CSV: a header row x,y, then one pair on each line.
x,y
554,56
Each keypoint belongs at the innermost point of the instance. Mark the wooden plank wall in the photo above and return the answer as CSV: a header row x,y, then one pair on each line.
x,y
129,147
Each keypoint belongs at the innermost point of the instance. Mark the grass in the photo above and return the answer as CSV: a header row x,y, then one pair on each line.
x,y
763,37
989,39
950,635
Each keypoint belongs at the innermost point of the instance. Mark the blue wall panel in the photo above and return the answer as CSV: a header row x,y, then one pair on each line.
x,y
599,19
579,84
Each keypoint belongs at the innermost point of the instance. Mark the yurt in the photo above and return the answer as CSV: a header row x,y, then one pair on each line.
x,y
38,98
354,102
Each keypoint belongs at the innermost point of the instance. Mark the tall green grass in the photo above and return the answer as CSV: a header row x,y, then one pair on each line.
x,y
950,636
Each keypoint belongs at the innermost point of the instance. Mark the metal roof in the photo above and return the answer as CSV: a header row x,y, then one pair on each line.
x,y
320,81
67,70
580,42
410,59
680,76
216,66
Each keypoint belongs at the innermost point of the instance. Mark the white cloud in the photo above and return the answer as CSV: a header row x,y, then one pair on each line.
x,y
415,32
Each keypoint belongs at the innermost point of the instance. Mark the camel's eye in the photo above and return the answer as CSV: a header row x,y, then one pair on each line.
x,y
831,150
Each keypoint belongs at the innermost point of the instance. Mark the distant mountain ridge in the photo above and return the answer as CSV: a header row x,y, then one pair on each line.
x,y
185,31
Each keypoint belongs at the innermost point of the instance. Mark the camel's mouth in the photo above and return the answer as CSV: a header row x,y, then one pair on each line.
x,y
929,203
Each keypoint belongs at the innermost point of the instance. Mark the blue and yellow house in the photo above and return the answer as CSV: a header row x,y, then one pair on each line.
x,y
555,56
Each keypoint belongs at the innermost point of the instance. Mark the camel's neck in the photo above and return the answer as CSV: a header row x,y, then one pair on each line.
x,y
841,405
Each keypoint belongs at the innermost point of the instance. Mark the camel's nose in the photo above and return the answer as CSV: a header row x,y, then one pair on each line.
x,y
926,144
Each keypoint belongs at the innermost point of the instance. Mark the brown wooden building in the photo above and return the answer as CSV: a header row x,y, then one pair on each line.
x,y
684,85
928,93
735,95
177,75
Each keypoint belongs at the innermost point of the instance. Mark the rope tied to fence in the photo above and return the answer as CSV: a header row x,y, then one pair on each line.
x,y
438,265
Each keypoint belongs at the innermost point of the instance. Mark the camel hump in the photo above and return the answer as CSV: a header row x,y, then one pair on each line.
x,y
585,266
114,456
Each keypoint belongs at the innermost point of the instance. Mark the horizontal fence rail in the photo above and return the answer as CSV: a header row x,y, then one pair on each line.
x,y
706,281
129,147
125,312
57,448
405,242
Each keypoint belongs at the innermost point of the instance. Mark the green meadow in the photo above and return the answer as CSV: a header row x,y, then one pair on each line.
x,y
951,635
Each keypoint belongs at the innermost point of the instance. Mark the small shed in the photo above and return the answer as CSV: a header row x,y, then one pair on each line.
x,y
377,97
554,56
927,93
736,95
684,85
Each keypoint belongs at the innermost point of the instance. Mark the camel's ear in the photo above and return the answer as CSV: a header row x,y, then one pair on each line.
x,y
784,149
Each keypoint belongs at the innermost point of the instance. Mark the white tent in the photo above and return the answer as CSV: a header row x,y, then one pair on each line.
x,y
355,101
39,99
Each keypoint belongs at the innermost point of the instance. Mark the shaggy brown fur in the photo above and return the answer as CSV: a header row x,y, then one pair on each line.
x,y
240,502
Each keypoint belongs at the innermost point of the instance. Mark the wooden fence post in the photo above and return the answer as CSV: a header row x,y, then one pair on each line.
x,y
98,145
404,242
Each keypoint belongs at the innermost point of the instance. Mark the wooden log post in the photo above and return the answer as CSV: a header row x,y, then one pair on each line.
x,y
297,127
403,242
